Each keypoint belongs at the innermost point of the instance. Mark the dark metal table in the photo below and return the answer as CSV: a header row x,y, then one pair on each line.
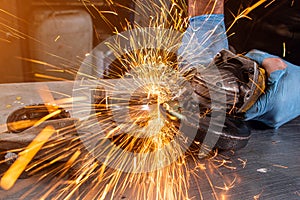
x,y
267,168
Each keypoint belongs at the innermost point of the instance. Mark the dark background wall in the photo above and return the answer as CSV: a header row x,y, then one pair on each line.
x,y
273,27
17,19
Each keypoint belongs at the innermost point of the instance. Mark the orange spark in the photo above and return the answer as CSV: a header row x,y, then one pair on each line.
x,y
49,77
280,166
22,124
256,197
57,38
12,174
284,49
47,117
245,12
243,162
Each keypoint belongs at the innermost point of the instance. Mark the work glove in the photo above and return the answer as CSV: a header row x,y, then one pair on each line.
x,y
280,102
202,40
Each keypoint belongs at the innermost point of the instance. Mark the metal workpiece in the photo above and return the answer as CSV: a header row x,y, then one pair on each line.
x,y
65,130
14,145
23,118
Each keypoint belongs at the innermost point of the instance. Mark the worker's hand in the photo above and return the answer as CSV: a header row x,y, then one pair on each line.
x,y
281,101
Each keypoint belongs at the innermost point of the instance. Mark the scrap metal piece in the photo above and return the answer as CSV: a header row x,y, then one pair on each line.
x,y
65,136
23,118
65,130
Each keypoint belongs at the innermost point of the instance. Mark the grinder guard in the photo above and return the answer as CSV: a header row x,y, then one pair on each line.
x,y
243,81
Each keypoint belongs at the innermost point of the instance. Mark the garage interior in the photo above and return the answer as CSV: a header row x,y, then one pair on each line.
x,y
44,43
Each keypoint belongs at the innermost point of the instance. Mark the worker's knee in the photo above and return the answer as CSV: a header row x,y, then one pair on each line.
x,y
273,64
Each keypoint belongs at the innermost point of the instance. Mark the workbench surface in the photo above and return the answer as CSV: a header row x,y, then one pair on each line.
x,y
267,168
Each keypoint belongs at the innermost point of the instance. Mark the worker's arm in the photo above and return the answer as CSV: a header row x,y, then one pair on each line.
x,y
206,33
206,36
